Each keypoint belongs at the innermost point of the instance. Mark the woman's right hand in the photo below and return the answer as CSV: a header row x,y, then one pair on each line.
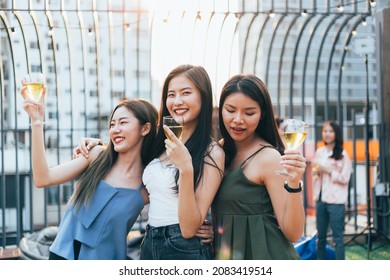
x,y
35,110
85,145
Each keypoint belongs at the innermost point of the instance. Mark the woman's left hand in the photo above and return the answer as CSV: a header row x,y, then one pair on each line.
x,y
206,232
295,164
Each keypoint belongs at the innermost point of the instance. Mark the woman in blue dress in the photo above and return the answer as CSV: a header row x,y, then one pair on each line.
x,y
109,194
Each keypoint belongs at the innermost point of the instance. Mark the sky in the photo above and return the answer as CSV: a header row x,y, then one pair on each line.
x,y
195,37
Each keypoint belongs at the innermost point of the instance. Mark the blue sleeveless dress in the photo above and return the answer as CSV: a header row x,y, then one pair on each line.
x,y
102,226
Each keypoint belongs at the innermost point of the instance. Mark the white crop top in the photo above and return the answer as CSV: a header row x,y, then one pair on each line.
x,y
159,182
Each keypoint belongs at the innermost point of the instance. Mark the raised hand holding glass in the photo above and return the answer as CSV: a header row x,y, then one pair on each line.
x,y
294,133
34,83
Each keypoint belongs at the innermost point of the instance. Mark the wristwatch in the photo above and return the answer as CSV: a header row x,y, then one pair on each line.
x,y
293,190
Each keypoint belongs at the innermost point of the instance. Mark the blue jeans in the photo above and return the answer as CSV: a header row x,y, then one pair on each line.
x,y
330,215
167,243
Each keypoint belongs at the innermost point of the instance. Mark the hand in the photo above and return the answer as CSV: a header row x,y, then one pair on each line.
x,y
323,169
176,151
206,232
314,168
85,145
34,109
295,164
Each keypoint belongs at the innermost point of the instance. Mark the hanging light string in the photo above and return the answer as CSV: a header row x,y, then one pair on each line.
x,y
339,8
126,25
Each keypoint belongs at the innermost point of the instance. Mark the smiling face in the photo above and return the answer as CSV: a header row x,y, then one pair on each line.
x,y
125,130
241,116
184,101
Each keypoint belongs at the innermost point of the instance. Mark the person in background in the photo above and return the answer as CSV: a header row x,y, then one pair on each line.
x,y
257,214
109,194
331,172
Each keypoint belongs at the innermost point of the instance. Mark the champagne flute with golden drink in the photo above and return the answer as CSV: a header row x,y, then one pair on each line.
x,y
176,125
294,133
34,83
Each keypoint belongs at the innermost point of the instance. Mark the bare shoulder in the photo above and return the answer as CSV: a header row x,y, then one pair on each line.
x,y
267,157
215,155
262,165
216,151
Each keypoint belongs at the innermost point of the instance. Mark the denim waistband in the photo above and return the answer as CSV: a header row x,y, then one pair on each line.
x,y
167,243
169,230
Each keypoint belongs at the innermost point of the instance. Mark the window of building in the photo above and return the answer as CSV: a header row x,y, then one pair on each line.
x,y
118,94
53,115
92,71
50,46
35,68
34,45
119,73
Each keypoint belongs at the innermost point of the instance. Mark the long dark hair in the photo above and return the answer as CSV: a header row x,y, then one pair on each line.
x,y
200,139
339,141
255,89
145,113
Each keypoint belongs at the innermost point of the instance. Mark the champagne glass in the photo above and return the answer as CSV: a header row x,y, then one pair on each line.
x,y
34,83
174,124
294,133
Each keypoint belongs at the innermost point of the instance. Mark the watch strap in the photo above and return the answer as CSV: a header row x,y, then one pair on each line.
x,y
293,190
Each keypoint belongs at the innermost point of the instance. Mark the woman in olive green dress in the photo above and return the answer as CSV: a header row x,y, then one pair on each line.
x,y
257,213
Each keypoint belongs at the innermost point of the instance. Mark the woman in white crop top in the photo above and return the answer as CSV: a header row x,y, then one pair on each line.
x,y
185,175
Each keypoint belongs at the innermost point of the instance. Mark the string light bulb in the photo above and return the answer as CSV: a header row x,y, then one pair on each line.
x,y
50,32
198,16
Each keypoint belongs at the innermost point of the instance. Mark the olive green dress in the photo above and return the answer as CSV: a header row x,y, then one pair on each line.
x,y
245,225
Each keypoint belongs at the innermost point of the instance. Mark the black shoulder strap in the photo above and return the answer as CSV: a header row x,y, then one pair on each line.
x,y
255,153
